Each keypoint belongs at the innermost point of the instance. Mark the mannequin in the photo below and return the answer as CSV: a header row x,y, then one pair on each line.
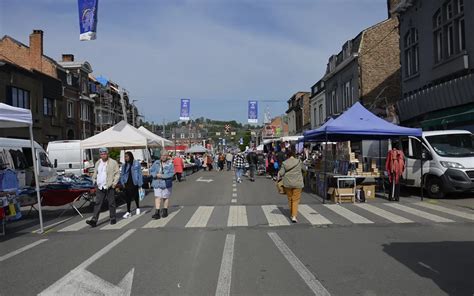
x,y
395,166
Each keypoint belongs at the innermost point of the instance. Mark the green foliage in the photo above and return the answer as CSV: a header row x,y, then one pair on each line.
x,y
114,153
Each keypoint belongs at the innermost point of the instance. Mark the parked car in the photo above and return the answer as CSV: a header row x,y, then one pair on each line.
x,y
68,157
448,162
15,154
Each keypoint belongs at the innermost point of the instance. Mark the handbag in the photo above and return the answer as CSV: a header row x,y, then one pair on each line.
x,y
141,194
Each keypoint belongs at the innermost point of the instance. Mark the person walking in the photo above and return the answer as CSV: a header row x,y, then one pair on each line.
x,y
221,161
178,167
292,175
131,179
239,166
162,171
209,162
229,157
252,160
106,176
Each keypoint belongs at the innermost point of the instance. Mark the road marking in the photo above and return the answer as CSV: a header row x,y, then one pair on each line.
x,y
163,221
234,185
237,216
384,214
309,278
233,200
349,215
51,226
200,217
419,213
274,216
82,224
81,282
21,250
225,273
447,210
312,216
234,194
122,223
234,189
200,179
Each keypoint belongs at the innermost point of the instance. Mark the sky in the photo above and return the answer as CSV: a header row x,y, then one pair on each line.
x,y
218,53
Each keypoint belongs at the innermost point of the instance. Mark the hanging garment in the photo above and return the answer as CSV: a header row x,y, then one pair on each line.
x,y
395,164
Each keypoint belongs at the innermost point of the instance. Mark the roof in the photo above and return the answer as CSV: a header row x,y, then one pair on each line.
x,y
403,6
85,66
445,132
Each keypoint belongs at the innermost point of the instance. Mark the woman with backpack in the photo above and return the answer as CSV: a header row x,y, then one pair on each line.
x,y
292,175
162,172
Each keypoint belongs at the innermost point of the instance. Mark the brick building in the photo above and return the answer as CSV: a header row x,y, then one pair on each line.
x,y
29,79
299,113
318,104
367,69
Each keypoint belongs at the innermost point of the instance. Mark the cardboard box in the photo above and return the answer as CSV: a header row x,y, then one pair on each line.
x,y
369,191
345,198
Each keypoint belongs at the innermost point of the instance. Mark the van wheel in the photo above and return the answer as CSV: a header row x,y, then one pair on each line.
x,y
434,188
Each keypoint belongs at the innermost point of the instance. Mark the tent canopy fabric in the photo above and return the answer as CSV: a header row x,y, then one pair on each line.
x,y
290,138
197,149
164,142
358,123
121,135
11,117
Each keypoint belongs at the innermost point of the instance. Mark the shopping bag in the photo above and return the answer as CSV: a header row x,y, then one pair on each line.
x,y
280,188
141,194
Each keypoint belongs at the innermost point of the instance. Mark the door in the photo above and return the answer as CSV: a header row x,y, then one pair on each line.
x,y
45,167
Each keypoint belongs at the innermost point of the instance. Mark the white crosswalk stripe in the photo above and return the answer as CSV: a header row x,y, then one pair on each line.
x,y
312,216
124,222
349,215
425,215
274,216
163,221
237,216
469,216
82,224
200,217
384,214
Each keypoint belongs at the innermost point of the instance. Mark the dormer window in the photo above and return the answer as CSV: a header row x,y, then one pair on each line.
x,y
68,78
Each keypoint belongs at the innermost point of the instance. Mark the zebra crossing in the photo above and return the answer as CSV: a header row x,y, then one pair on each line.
x,y
277,216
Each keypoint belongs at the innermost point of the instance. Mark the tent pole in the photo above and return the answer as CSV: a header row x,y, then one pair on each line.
x,y
35,169
325,169
381,169
421,172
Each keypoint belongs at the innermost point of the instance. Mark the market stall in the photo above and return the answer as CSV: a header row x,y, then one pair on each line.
x,y
339,164
164,142
13,117
196,149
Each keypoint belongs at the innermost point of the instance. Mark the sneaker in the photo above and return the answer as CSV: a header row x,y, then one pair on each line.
x,y
137,212
293,219
164,213
126,215
156,215
92,223
113,221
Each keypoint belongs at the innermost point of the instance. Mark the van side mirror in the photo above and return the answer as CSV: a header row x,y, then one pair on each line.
x,y
55,163
425,155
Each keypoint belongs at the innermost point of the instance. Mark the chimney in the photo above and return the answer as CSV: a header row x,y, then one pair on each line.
x,y
36,49
391,6
67,57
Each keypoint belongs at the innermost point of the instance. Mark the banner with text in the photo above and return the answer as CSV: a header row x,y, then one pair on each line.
x,y
88,10
253,112
185,109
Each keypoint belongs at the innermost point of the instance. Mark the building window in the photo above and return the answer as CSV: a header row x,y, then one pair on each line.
x,y
70,109
84,87
462,35
182,136
347,96
48,107
192,135
172,136
449,10
199,135
333,102
85,112
411,52
460,6
69,78
450,37
321,115
20,98
438,46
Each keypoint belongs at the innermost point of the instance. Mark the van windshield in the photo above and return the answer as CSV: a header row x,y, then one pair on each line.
x,y
454,145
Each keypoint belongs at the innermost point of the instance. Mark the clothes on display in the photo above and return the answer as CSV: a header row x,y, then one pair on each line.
x,y
8,180
395,166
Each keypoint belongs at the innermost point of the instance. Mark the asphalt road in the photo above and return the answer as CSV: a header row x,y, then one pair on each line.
x,y
234,239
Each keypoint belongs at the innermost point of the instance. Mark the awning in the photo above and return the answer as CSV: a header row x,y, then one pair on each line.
x,y
453,115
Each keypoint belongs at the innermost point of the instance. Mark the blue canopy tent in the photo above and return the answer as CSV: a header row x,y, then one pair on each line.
x,y
356,124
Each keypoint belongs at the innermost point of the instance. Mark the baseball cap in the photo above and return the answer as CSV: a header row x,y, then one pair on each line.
x,y
103,150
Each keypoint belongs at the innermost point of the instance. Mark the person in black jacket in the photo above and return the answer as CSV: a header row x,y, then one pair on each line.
x,y
252,161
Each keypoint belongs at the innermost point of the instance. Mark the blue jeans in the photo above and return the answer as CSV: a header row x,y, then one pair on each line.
x,y
238,173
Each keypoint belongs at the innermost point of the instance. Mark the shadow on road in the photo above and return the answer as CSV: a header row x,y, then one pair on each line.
x,y
450,265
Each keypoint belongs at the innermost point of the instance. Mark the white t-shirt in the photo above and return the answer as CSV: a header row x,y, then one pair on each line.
x,y
102,175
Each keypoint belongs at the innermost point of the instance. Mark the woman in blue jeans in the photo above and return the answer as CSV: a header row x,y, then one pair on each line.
x,y
131,179
239,166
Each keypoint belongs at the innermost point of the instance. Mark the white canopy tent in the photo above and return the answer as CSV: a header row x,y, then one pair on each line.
x,y
164,142
291,138
121,135
13,117
197,149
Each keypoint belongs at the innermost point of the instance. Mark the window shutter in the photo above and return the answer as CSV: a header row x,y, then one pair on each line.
x,y
9,95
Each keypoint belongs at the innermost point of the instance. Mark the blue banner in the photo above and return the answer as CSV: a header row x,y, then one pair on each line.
x,y
185,109
253,112
88,10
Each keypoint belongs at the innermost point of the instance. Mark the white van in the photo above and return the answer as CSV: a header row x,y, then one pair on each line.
x,y
68,157
448,162
15,154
